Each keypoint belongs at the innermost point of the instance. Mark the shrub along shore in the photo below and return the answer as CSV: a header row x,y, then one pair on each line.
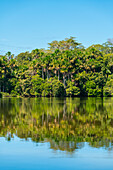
x,y
66,68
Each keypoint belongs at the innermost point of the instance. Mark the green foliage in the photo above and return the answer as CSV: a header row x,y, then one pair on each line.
x,y
108,88
5,94
81,79
65,69
14,93
37,86
72,90
54,88
47,92
58,89
18,88
93,89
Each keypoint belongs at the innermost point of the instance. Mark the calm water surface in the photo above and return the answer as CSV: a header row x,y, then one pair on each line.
x,y
53,133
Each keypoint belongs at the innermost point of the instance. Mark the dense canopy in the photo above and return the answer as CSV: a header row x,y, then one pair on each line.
x,y
66,68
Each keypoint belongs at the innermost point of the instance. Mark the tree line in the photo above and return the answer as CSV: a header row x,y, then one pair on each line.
x,y
66,68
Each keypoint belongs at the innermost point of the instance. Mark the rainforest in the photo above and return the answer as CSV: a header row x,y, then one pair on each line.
x,y
66,68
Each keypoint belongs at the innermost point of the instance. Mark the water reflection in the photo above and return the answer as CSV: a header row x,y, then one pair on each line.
x,y
65,123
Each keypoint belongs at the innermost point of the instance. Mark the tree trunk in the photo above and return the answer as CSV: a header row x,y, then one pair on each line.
x,y
47,74
42,73
3,87
71,76
68,76
0,86
4,80
58,75
64,80
55,73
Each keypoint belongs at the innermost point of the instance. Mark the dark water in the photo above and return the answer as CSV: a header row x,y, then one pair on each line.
x,y
44,133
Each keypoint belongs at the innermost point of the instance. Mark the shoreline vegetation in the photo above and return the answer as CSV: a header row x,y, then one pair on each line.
x,y
65,69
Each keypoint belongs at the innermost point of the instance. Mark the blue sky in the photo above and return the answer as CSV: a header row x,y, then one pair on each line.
x,y
30,24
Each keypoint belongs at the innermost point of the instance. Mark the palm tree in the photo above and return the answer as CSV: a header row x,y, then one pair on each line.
x,y
47,61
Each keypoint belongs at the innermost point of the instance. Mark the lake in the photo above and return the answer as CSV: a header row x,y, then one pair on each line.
x,y
56,133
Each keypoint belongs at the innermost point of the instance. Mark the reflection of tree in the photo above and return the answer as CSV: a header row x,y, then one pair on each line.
x,y
65,123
